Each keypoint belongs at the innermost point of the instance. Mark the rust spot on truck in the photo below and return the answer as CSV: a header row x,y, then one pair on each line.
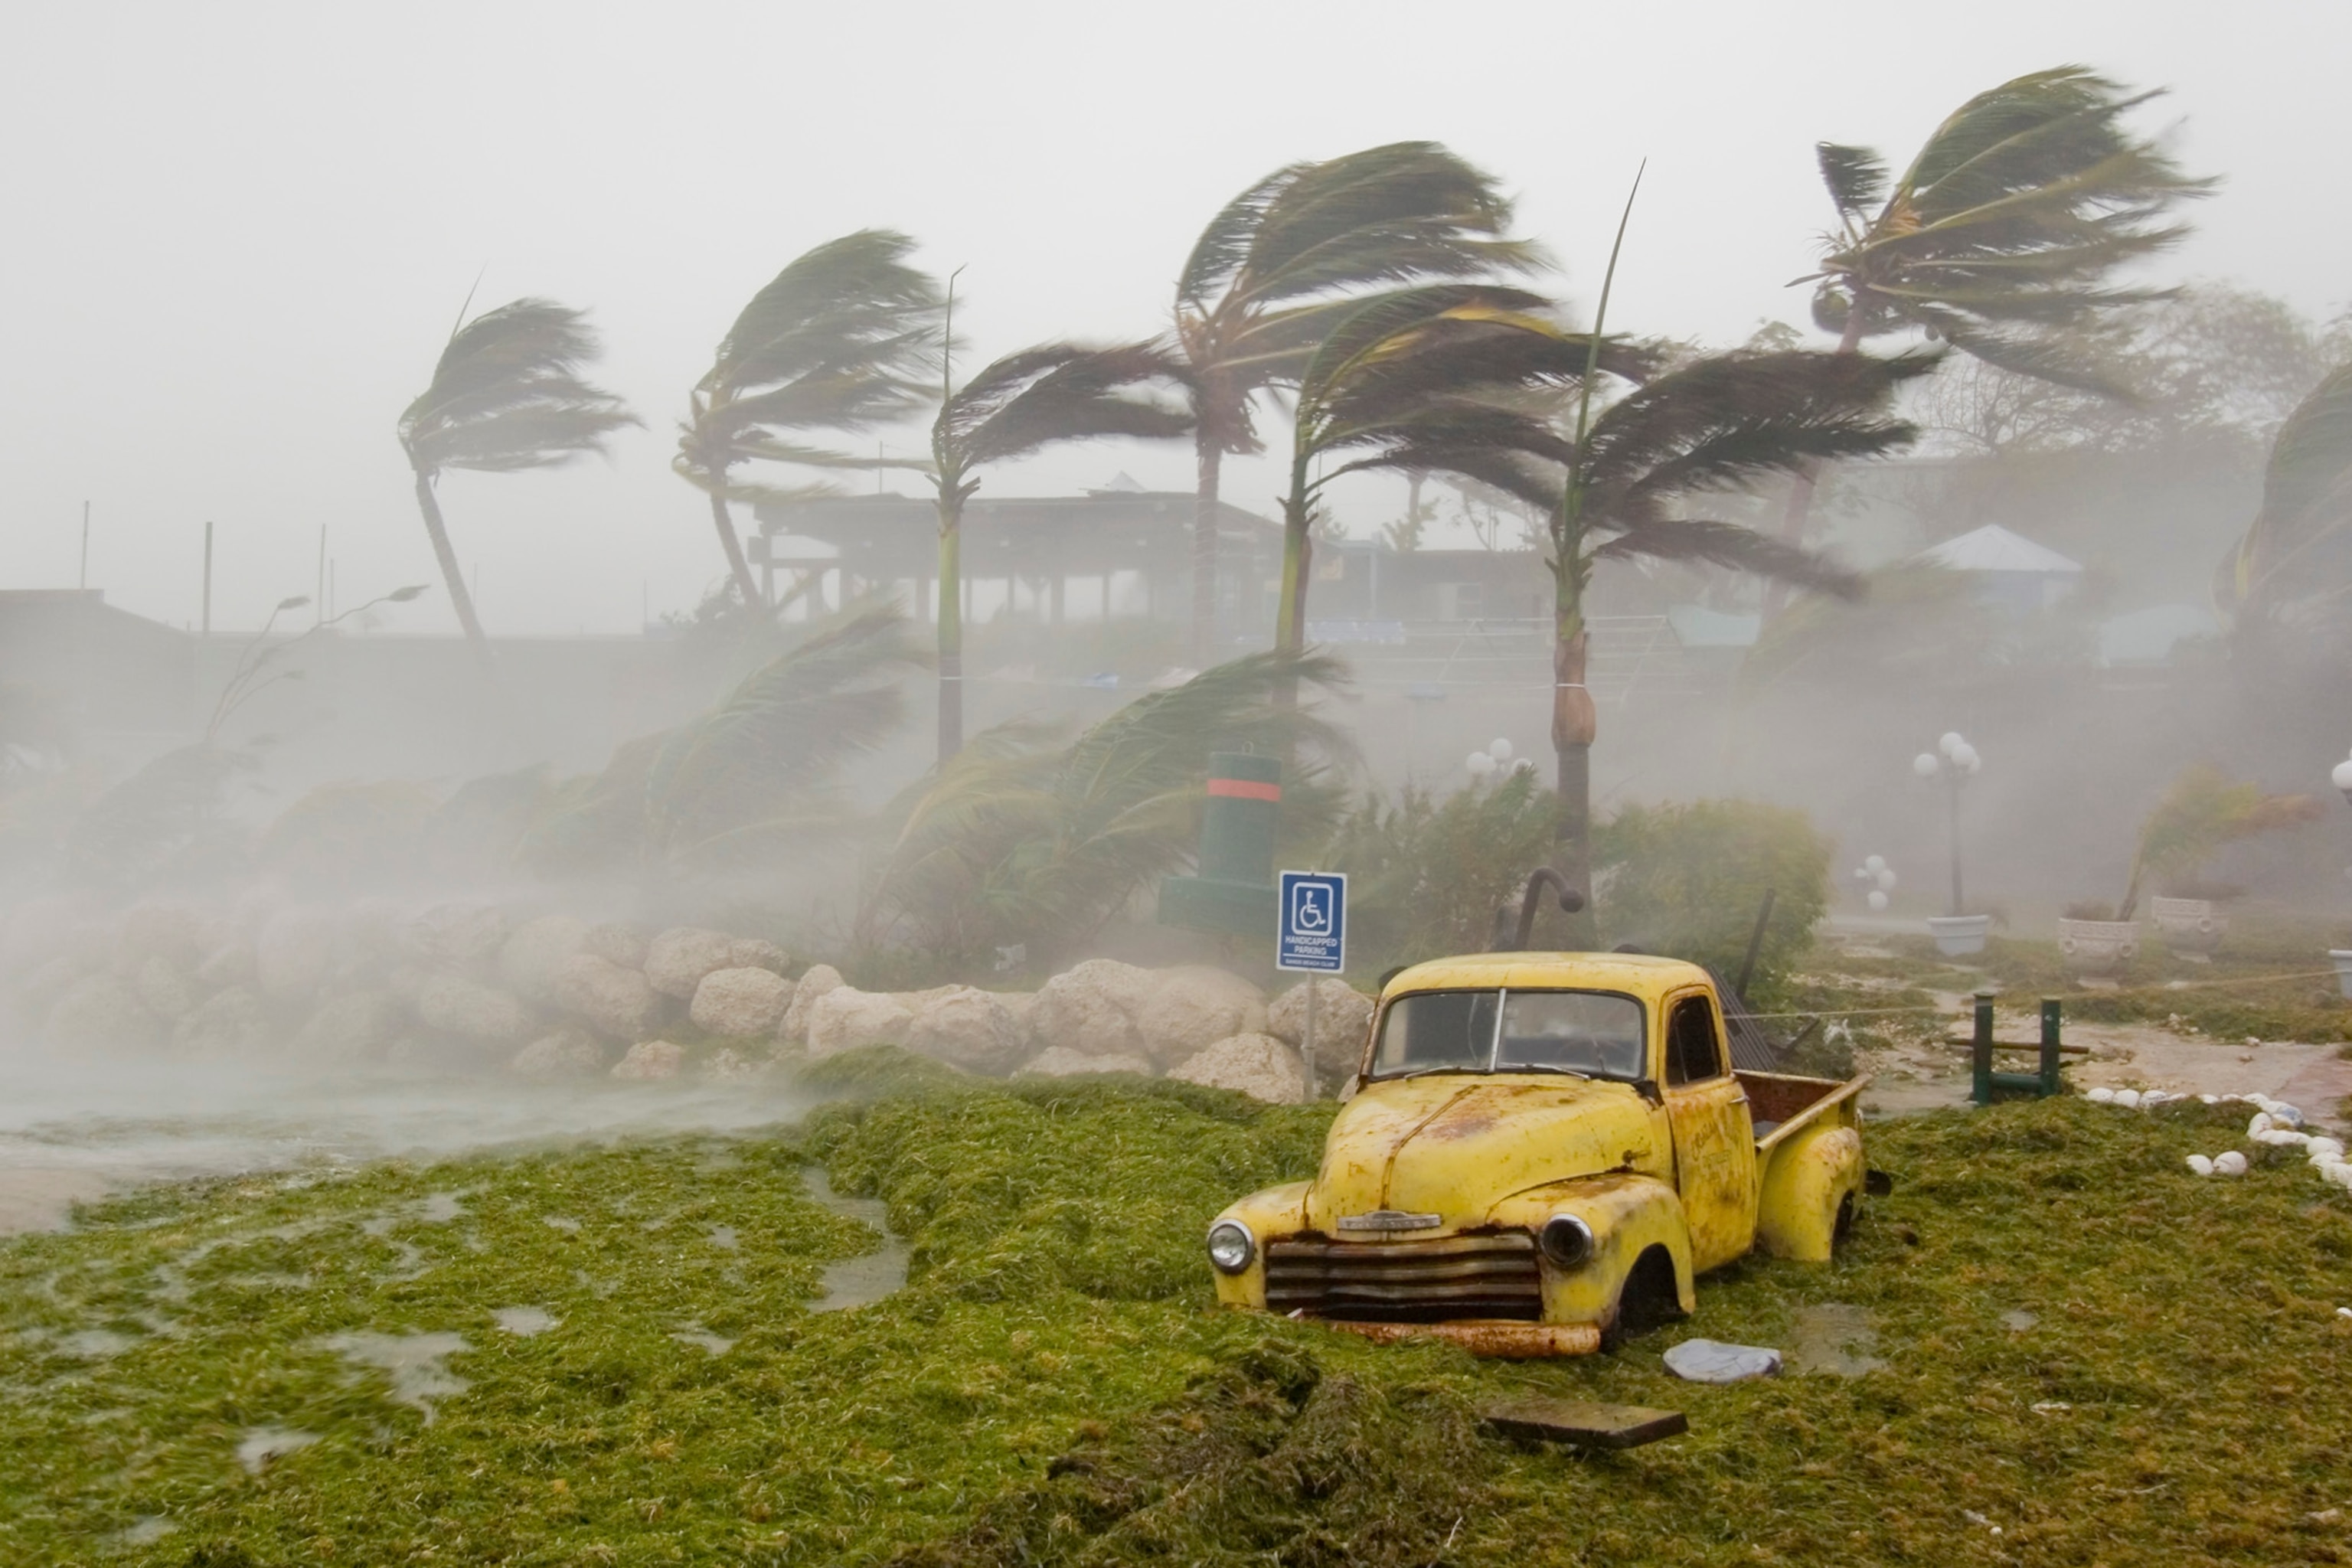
x,y
1500,1341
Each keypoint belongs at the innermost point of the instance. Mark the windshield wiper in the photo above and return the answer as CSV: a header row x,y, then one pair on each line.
x,y
1546,1066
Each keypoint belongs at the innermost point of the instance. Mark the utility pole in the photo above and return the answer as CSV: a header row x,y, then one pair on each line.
x,y
207,622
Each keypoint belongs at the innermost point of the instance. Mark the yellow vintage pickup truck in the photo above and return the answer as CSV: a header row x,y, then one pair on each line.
x,y
1541,1152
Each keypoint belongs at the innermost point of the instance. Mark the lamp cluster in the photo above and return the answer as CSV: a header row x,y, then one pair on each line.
x,y
1958,756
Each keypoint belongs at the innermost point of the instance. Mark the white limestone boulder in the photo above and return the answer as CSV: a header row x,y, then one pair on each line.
x,y
1259,1066
820,979
650,1059
356,1027
752,953
536,951
967,1027
845,1018
464,935
569,1051
677,959
1343,1019
1192,1008
619,1004
741,1004
1095,1008
622,944
455,1005
292,951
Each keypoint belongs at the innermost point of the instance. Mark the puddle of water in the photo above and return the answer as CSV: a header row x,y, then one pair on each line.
x,y
1834,1339
72,1130
696,1335
440,1208
263,1444
724,1235
856,1281
415,1361
525,1322
560,1222
2019,1322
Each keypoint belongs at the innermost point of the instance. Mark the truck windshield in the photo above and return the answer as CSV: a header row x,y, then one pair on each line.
x,y
1597,1033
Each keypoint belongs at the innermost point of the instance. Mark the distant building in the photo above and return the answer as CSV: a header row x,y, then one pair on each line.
x,y
107,670
2011,571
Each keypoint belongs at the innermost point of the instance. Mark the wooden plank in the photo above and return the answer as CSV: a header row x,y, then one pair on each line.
x,y
1576,1421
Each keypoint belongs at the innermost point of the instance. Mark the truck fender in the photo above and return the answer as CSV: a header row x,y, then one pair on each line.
x,y
1808,1182
1629,1215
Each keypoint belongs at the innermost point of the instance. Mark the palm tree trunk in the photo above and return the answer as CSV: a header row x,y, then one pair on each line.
x,y
1209,460
1290,612
1798,517
459,598
1574,724
737,566
951,623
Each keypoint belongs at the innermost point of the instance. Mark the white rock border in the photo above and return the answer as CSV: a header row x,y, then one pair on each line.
x,y
2275,1124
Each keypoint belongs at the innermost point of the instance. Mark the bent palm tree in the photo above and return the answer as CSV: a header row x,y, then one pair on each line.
x,y
507,394
835,341
1717,425
2293,567
1025,401
2005,231
1020,839
1423,379
1275,268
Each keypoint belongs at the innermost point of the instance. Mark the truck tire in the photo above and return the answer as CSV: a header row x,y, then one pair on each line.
x,y
1645,1302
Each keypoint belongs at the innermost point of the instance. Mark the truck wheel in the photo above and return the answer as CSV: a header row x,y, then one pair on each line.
x,y
1644,1301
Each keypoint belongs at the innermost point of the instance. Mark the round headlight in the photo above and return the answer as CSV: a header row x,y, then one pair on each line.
x,y
1566,1240
1231,1245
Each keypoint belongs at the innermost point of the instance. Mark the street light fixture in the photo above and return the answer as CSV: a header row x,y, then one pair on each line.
x,y
1953,759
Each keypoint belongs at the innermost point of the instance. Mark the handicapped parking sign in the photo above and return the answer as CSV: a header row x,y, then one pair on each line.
x,y
1314,930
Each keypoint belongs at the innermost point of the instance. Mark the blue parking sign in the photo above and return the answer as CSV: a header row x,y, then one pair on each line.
x,y
1314,930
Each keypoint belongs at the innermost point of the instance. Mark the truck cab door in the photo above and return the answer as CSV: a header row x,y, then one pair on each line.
x,y
1715,1142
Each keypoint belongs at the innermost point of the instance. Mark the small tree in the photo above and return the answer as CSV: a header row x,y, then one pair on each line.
x,y
507,394
838,341
2201,812
1017,405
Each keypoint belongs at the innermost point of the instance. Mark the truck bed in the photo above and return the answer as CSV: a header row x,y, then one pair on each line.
x,y
1780,1103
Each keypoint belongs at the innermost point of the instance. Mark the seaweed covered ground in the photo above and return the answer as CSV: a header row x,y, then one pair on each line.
x,y
2051,1345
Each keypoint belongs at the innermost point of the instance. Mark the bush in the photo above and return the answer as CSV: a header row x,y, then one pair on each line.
x,y
1688,880
1426,874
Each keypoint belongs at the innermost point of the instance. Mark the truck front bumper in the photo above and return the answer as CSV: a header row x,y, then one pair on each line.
x,y
1500,1338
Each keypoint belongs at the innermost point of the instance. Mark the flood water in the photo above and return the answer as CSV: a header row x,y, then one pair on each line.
x,y
72,1131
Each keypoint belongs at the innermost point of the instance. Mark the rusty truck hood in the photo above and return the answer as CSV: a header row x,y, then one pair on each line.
x,y
1456,1144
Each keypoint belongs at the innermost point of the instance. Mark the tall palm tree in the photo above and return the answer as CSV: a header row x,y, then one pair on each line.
x,y
1025,401
1281,261
2008,228
1422,380
840,340
507,394
1622,484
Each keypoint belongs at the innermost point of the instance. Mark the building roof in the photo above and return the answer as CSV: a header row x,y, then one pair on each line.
x,y
1993,548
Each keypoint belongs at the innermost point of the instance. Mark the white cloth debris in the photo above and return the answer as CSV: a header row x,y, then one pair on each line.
x,y
1711,1360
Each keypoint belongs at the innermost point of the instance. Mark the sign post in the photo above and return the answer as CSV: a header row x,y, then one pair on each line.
x,y
1311,937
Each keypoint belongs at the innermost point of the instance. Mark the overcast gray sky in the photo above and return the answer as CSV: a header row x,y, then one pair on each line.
x,y
238,233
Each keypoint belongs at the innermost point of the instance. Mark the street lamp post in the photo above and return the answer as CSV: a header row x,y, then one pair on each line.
x,y
1953,759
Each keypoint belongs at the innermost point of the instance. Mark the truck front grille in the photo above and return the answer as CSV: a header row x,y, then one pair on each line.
x,y
1489,1276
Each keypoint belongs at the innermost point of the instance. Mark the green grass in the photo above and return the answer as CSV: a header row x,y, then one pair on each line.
x,y
1054,1387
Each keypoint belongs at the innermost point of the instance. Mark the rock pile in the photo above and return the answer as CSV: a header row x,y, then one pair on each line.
x,y
471,985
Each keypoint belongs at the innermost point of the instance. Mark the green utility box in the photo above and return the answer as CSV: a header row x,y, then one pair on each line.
x,y
1233,895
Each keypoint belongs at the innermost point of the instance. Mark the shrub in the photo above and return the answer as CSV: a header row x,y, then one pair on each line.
x,y
1688,880
1426,874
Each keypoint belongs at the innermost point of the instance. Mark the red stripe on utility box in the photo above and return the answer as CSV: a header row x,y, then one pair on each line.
x,y
1246,789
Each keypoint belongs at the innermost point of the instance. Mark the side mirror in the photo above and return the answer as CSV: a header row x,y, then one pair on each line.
x,y
1647,1088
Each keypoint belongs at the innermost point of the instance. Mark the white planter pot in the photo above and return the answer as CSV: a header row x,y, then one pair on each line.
x,y
2098,947
2192,928
1957,936
2343,957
